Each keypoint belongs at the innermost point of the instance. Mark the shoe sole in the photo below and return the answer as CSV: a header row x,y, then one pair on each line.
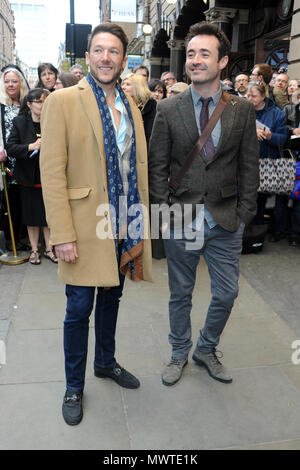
x,y
103,376
169,384
202,364
73,423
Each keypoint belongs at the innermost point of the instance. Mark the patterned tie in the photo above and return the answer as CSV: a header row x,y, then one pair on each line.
x,y
209,146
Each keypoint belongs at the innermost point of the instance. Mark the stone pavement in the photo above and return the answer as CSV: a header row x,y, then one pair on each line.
x,y
259,410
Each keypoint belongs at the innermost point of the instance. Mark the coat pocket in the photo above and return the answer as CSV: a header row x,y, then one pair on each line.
x,y
78,193
229,191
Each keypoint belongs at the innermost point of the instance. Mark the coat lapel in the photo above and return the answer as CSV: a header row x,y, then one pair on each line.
x,y
227,119
186,108
92,111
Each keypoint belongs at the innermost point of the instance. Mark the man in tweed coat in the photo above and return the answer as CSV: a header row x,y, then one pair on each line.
x,y
224,178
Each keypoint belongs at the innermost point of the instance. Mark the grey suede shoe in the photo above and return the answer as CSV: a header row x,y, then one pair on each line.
x,y
173,371
214,367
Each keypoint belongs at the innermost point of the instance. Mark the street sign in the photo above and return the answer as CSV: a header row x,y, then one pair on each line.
x,y
134,61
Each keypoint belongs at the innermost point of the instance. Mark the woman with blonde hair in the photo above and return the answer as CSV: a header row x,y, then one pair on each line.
x,y
13,88
137,87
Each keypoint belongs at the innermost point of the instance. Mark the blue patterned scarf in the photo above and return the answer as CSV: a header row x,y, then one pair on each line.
x,y
130,259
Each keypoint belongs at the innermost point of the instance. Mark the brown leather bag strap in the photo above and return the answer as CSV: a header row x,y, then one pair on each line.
x,y
175,183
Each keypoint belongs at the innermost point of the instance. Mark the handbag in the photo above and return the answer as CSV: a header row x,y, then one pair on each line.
x,y
277,175
296,190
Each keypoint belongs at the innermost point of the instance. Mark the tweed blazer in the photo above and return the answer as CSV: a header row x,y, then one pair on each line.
x,y
228,183
74,182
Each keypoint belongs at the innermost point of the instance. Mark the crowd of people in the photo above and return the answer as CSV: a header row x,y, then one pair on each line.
x,y
274,95
69,152
275,98
20,144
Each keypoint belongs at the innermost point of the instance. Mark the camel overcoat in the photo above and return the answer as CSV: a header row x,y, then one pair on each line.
x,y
74,184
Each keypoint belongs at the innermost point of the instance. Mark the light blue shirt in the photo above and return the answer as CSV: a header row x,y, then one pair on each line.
x,y
216,134
121,134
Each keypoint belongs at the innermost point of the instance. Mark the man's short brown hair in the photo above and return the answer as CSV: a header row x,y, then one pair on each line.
x,y
211,29
265,70
111,28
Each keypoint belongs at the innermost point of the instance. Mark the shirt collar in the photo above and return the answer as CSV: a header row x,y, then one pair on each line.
x,y
118,100
196,97
116,92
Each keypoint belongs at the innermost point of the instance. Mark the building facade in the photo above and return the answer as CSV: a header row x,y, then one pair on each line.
x,y
31,23
259,31
7,34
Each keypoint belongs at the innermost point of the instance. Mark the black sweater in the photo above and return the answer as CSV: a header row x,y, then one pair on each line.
x,y
23,133
148,114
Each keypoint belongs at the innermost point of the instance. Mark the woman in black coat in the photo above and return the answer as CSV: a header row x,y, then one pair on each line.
x,y
24,145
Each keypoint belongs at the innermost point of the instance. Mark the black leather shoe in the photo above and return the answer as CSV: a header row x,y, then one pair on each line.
x,y
121,376
72,407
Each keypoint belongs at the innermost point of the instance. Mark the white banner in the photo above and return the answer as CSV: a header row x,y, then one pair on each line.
x,y
123,11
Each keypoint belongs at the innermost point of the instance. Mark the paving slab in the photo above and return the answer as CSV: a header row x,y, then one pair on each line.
x,y
274,274
31,418
259,406
259,410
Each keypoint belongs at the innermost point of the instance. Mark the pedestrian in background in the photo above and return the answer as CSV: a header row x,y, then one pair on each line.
x,y
292,112
143,71
293,85
24,144
272,135
158,89
13,88
136,87
64,80
78,71
47,76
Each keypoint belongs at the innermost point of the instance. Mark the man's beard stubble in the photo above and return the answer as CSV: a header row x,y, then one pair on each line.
x,y
114,78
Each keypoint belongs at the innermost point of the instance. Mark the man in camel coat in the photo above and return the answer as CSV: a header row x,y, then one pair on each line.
x,y
94,153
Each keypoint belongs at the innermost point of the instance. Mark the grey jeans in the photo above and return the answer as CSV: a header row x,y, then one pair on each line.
x,y
221,250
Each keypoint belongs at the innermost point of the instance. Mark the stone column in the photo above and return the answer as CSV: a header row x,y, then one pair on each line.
x,y
158,65
223,17
294,55
177,47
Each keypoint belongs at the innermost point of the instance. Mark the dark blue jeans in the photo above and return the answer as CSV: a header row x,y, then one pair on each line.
x,y
80,302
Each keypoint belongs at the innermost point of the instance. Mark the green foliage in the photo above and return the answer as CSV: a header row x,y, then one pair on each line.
x,y
66,64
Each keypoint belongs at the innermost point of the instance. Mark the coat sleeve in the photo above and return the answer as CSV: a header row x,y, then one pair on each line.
x,y
279,133
248,169
53,164
159,158
14,147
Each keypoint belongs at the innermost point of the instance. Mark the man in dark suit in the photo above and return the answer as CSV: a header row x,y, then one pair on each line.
x,y
222,180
